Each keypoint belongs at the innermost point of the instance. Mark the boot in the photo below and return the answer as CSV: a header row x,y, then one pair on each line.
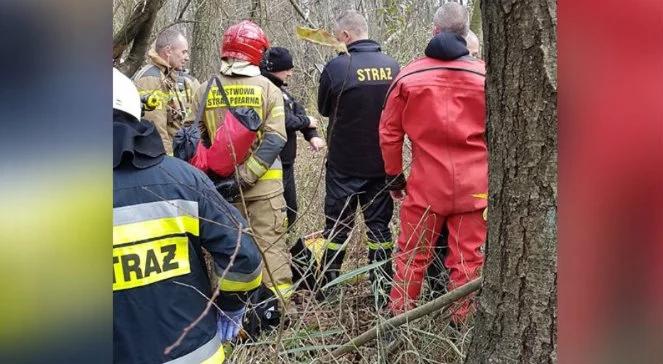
x,y
380,277
303,267
332,260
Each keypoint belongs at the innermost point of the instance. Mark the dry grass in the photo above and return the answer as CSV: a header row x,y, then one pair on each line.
x,y
317,328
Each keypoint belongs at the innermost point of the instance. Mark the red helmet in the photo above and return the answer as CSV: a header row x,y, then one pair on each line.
x,y
244,40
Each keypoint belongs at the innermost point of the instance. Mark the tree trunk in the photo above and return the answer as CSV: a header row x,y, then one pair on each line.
x,y
136,30
207,33
517,306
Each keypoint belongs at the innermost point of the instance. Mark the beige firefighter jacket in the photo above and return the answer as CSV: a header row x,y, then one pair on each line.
x,y
175,91
261,173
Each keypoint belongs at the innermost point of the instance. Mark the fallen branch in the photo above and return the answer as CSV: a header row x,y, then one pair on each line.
x,y
396,321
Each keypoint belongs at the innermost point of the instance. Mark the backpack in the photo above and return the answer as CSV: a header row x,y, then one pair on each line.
x,y
232,141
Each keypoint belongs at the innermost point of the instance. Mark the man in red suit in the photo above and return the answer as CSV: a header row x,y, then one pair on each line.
x,y
438,101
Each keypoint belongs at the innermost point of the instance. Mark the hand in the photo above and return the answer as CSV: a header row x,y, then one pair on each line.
x,y
313,122
229,323
317,144
398,195
228,188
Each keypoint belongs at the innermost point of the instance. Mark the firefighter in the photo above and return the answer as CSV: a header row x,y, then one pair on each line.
x,y
164,212
351,93
166,78
278,66
438,101
260,176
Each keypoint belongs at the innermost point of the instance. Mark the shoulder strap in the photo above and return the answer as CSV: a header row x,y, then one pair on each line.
x,y
201,103
459,69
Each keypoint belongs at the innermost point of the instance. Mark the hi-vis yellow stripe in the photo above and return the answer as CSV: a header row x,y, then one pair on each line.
x,y
286,289
254,166
235,286
150,229
218,357
272,174
277,111
145,263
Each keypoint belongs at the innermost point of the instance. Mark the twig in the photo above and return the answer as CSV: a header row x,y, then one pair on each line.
x,y
301,13
178,21
186,5
405,317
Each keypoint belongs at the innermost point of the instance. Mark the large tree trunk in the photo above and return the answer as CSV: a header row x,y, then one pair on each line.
x,y
207,33
517,306
136,31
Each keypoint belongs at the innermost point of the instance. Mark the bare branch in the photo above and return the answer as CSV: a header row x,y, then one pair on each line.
x,y
408,316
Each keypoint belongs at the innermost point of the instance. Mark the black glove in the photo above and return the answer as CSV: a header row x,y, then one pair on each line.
x,y
228,188
395,183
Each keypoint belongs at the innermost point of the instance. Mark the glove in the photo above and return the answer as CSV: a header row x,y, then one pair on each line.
x,y
229,323
228,188
395,183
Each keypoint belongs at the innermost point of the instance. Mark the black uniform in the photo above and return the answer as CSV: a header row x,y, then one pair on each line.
x,y
357,83
164,211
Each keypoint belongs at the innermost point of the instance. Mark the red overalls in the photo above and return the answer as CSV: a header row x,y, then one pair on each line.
x,y
442,111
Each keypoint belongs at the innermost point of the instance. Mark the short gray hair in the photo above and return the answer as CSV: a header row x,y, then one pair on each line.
x,y
351,21
452,17
166,38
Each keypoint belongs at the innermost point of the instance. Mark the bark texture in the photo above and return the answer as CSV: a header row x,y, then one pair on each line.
x,y
136,32
207,35
517,306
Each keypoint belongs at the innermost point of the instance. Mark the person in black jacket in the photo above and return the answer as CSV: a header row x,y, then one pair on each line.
x,y
277,66
164,212
351,93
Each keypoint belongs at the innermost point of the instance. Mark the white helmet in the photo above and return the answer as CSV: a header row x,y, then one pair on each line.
x,y
125,95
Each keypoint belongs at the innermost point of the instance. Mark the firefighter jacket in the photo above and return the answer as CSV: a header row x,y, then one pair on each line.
x,y
295,120
164,212
175,91
261,174
357,82
439,102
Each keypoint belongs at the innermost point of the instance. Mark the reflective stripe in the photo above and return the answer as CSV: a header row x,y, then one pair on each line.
x,y
277,164
154,228
254,166
275,114
235,286
154,210
286,290
272,174
239,282
383,245
210,353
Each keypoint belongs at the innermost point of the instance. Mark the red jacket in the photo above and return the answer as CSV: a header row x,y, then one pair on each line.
x,y
442,111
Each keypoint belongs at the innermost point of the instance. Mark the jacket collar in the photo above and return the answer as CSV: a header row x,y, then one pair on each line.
x,y
161,63
135,143
238,67
364,45
446,46
275,80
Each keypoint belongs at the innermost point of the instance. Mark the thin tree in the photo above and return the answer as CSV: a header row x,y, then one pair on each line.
x,y
517,305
